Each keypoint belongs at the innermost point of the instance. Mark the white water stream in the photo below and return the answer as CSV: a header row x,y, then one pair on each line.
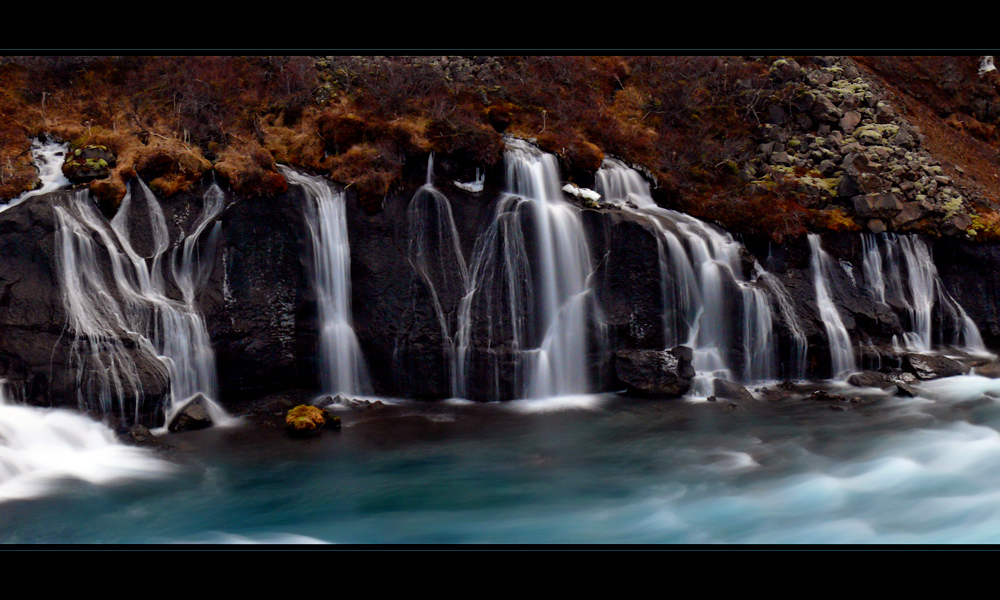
x,y
698,263
547,303
113,313
342,365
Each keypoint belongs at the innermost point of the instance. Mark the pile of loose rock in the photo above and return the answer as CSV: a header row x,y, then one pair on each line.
x,y
832,138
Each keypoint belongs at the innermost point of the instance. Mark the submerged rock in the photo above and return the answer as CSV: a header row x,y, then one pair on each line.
x,y
193,416
659,373
825,396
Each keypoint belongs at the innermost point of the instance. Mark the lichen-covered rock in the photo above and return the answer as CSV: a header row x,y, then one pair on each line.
x,y
306,420
88,163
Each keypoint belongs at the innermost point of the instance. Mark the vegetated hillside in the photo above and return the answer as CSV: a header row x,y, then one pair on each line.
x,y
760,145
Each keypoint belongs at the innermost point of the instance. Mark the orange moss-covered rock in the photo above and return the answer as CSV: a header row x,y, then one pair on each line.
x,y
340,130
472,139
370,172
834,219
250,169
108,192
307,420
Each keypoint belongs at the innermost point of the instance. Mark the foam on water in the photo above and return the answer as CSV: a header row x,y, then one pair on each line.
x,y
556,403
40,450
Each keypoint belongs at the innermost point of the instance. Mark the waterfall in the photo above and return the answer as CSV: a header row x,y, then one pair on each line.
x,y
49,159
436,255
841,352
343,368
906,277
111,319
540,316
697,264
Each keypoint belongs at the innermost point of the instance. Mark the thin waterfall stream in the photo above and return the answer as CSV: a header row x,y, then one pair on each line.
x,y
342,365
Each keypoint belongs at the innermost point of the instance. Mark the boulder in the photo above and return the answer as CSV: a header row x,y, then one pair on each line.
x,y
991,370
193,416
88,163
869,379
304,420
850,120
656,373
933,366
731,391
877,206
825,396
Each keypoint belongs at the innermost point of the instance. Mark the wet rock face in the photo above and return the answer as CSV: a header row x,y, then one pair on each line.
x,y
655,373
35,348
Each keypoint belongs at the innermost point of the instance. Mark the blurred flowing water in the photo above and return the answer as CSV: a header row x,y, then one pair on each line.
x,y
573,469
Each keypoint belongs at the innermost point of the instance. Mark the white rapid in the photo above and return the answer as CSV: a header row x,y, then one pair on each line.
x,y
113,313
436,255
41,450
49,158
546,305
841,351
900,271
698,264
342,365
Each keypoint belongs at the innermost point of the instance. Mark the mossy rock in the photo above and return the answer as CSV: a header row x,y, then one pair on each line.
x,y
305,420
88,163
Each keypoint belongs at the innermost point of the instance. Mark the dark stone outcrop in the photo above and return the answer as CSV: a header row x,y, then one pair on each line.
x,y
870,379
655,373
933,366
731,391
193,416
89,163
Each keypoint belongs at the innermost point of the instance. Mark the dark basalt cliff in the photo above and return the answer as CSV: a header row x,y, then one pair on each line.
x,y
770,148
261,312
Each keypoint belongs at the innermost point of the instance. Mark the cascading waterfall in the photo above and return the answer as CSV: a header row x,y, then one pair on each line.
x,y
49,158
796,368
436,255
134,305
841,351
343,368
919,292
697,262
550,300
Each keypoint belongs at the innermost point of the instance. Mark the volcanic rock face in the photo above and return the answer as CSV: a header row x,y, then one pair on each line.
x,y
260,307
656,373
